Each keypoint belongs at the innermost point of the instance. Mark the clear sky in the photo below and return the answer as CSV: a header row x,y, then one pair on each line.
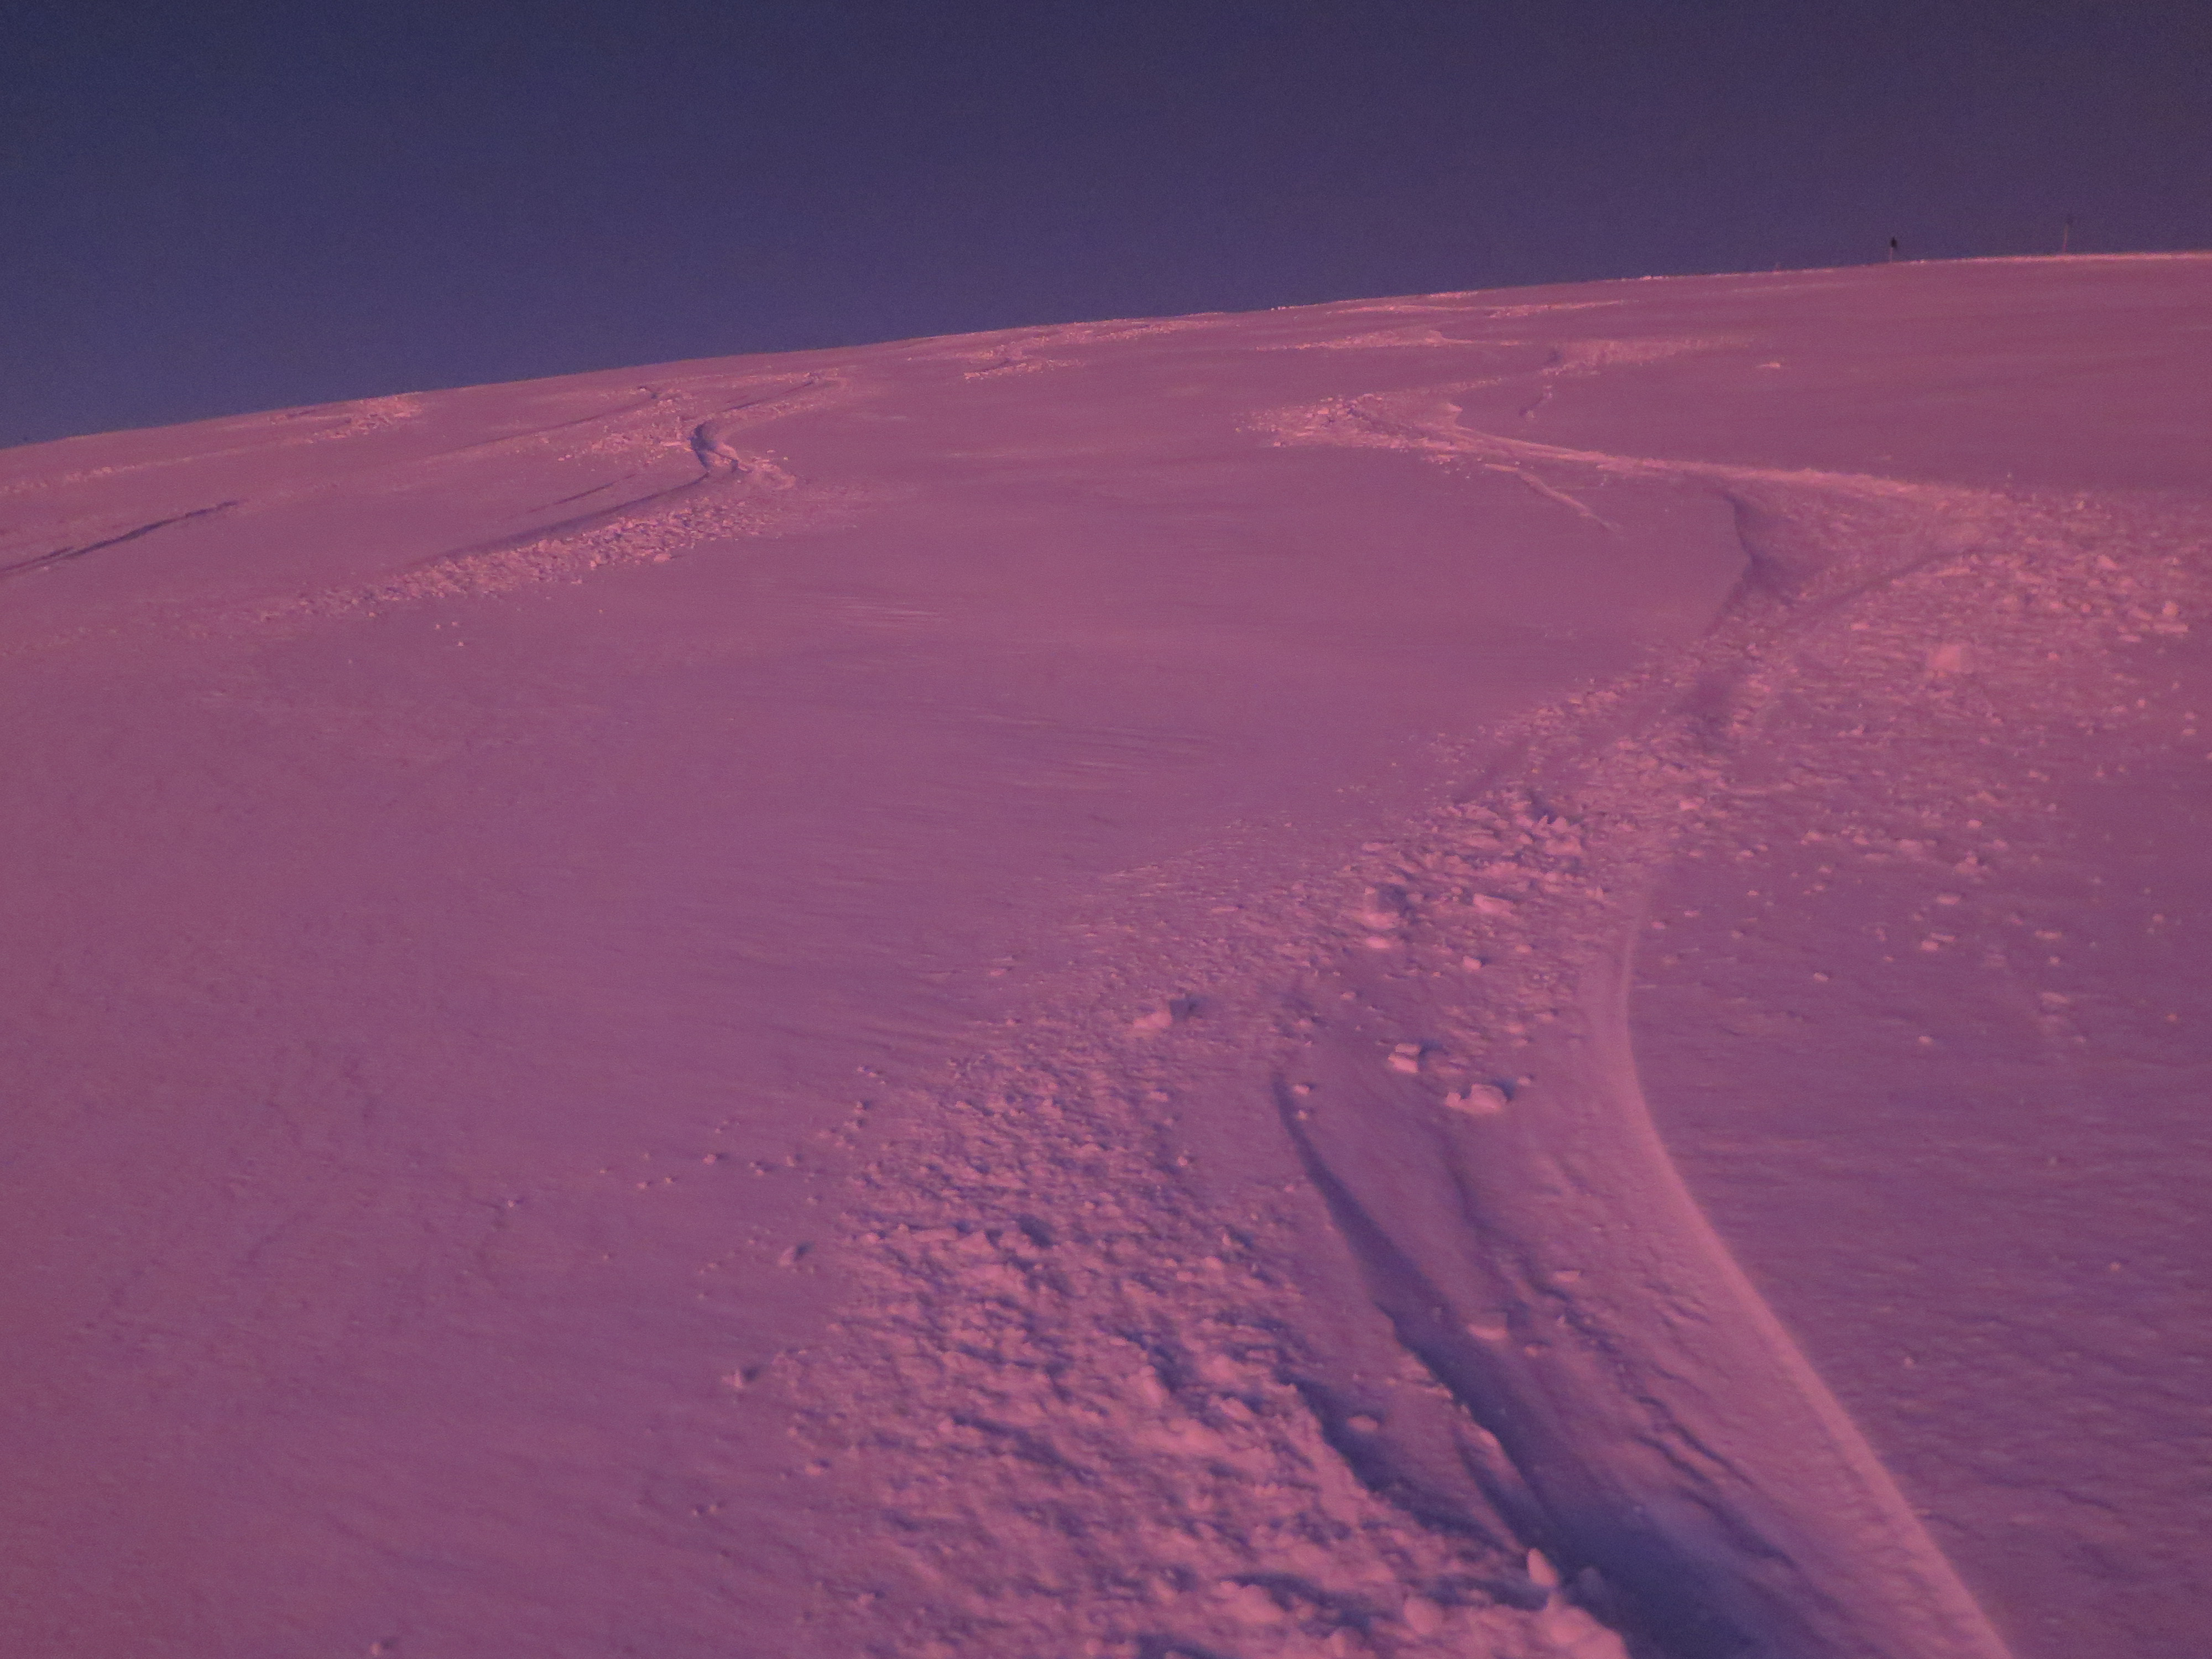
x,y
227,205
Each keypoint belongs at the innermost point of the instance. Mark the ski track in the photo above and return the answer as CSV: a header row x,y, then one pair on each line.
x,y
1095,1401
736,492
61,555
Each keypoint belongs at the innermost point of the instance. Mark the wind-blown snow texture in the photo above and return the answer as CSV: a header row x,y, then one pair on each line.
x,y
1499,974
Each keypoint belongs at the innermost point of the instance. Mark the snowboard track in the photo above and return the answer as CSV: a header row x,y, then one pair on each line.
x,y
1597,1381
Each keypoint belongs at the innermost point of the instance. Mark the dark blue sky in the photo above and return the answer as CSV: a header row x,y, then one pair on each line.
x,y
212,207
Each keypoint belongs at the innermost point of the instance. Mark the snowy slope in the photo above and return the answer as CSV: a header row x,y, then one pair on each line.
x,y
1492,974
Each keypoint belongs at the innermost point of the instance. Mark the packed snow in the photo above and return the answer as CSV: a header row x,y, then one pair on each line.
x,y
1502,974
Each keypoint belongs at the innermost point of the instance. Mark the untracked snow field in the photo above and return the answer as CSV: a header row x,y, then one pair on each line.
x,y
1514,974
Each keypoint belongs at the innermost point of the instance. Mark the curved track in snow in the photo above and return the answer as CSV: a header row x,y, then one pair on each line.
x,y
1459,1087
1527,1233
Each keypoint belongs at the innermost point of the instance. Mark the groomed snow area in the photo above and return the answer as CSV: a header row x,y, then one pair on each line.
x,y
1505,974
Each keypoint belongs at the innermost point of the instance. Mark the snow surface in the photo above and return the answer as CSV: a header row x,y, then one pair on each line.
x,y
1505,973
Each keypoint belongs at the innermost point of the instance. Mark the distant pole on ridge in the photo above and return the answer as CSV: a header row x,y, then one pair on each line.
x,y
2066,235
1892,250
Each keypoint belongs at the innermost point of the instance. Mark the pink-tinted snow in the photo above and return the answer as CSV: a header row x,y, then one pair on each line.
x,y
1505,973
